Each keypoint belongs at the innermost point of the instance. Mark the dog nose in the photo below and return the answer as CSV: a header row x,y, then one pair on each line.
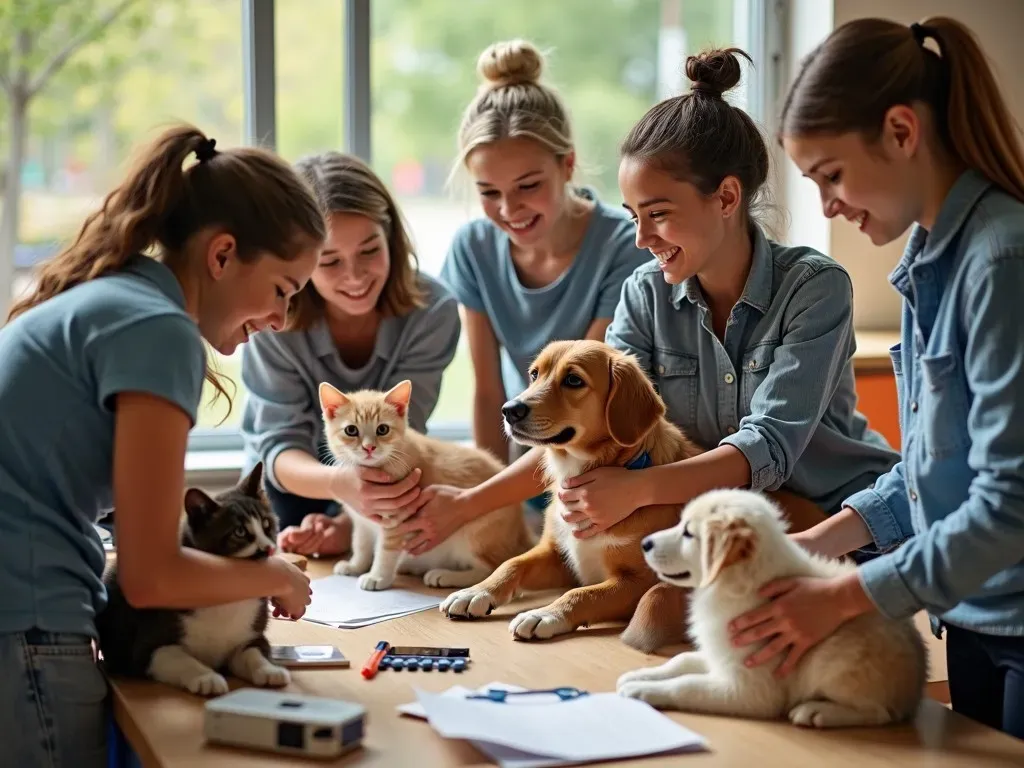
x,y
647,544
514,411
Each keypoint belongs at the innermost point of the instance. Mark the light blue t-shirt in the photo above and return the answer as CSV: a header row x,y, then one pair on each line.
x,y
63,362
480,272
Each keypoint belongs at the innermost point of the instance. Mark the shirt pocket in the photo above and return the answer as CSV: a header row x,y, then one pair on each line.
x,y
755,367
942,410
676,376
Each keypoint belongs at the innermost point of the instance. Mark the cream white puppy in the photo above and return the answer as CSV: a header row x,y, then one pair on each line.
x,y
728,544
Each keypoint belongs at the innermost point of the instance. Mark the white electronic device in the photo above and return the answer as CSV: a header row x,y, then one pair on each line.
x,y
294,724
293,656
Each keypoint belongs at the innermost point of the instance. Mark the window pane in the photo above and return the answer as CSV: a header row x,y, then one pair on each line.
x,y
157,63
609,59
309,35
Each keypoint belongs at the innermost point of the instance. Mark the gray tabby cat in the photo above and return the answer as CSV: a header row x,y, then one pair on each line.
x,y
186,648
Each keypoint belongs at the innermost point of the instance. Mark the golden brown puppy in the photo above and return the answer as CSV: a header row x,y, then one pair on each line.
x,y
590,406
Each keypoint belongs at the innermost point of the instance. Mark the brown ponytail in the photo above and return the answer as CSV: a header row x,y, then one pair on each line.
x,y
248,192
128,222
867,66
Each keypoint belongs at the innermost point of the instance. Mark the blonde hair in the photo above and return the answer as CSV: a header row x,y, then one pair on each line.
x,y
867,66
513,103
249,192
345,184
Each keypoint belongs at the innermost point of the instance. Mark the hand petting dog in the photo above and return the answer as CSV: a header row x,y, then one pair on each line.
x,y
600,498
802,613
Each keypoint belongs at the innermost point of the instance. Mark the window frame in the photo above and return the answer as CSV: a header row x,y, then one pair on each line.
x,y
216,454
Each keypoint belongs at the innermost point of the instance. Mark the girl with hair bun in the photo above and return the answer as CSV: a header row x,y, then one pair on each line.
x,y
905,127
548,258
749,342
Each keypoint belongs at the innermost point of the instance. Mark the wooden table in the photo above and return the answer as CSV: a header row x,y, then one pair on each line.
x,y
165,726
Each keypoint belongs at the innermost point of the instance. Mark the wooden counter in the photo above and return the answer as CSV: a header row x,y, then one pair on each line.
x,y
164,725
872,354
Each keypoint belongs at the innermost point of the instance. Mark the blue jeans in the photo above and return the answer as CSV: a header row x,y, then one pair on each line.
x,y
53,698
986,678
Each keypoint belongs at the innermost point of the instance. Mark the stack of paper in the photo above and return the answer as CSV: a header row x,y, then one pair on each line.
x,y
339,602
543,733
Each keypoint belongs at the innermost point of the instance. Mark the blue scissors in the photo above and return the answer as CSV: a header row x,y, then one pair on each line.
x,y
500,695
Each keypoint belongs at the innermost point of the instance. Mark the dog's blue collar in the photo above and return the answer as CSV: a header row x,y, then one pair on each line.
x,y
643,461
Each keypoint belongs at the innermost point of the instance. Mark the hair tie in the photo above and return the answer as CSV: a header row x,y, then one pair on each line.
x,y
707,89
921,32
205,150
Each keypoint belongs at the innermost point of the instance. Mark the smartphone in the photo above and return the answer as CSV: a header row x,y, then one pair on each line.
x,y
308,656
410,650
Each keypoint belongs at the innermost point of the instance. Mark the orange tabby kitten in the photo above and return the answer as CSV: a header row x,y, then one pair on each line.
x,y
371,429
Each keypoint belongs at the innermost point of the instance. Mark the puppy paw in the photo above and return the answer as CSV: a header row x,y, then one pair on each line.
x,y
372,583
271,676
208,684
638,675
350,568
647,691
471,603
538,625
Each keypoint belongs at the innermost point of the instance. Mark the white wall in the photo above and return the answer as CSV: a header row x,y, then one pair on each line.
x,y
997,23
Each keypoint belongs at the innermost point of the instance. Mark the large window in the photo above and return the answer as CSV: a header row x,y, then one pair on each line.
x,y
413,62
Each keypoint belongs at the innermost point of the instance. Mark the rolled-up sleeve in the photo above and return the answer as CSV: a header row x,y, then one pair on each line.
x,y
429,352
631,330
885,510
788,405
956,555
278,411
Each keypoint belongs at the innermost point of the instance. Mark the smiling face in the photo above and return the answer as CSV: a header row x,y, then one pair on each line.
x,y
354,265
682,228
522,187
874,185
241,298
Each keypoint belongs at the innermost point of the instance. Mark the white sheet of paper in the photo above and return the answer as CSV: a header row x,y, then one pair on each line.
x,y
339,602
601,726
415,709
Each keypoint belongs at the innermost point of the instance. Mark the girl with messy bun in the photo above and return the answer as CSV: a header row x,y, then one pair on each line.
x,y
750,342
547,259
905,127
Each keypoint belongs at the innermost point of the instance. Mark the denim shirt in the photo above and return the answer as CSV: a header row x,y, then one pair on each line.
x,y
959,490
282,372
779,387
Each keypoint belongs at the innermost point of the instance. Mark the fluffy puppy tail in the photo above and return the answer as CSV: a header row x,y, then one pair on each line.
x,y
659,619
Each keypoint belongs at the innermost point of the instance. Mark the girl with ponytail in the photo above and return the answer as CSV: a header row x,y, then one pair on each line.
x,y
905,127
103,368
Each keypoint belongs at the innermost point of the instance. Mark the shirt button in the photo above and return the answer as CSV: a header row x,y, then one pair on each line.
x,y
729,378
730,430
661,369
913,407
913,495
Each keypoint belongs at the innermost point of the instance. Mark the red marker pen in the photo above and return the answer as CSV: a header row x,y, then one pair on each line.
x,y
373,663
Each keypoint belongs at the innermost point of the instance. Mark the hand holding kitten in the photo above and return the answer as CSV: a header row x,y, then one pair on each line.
x,y
291,604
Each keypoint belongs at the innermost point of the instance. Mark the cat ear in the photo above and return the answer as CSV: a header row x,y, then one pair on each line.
x,y
398,396
198,506
331,399
252,484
